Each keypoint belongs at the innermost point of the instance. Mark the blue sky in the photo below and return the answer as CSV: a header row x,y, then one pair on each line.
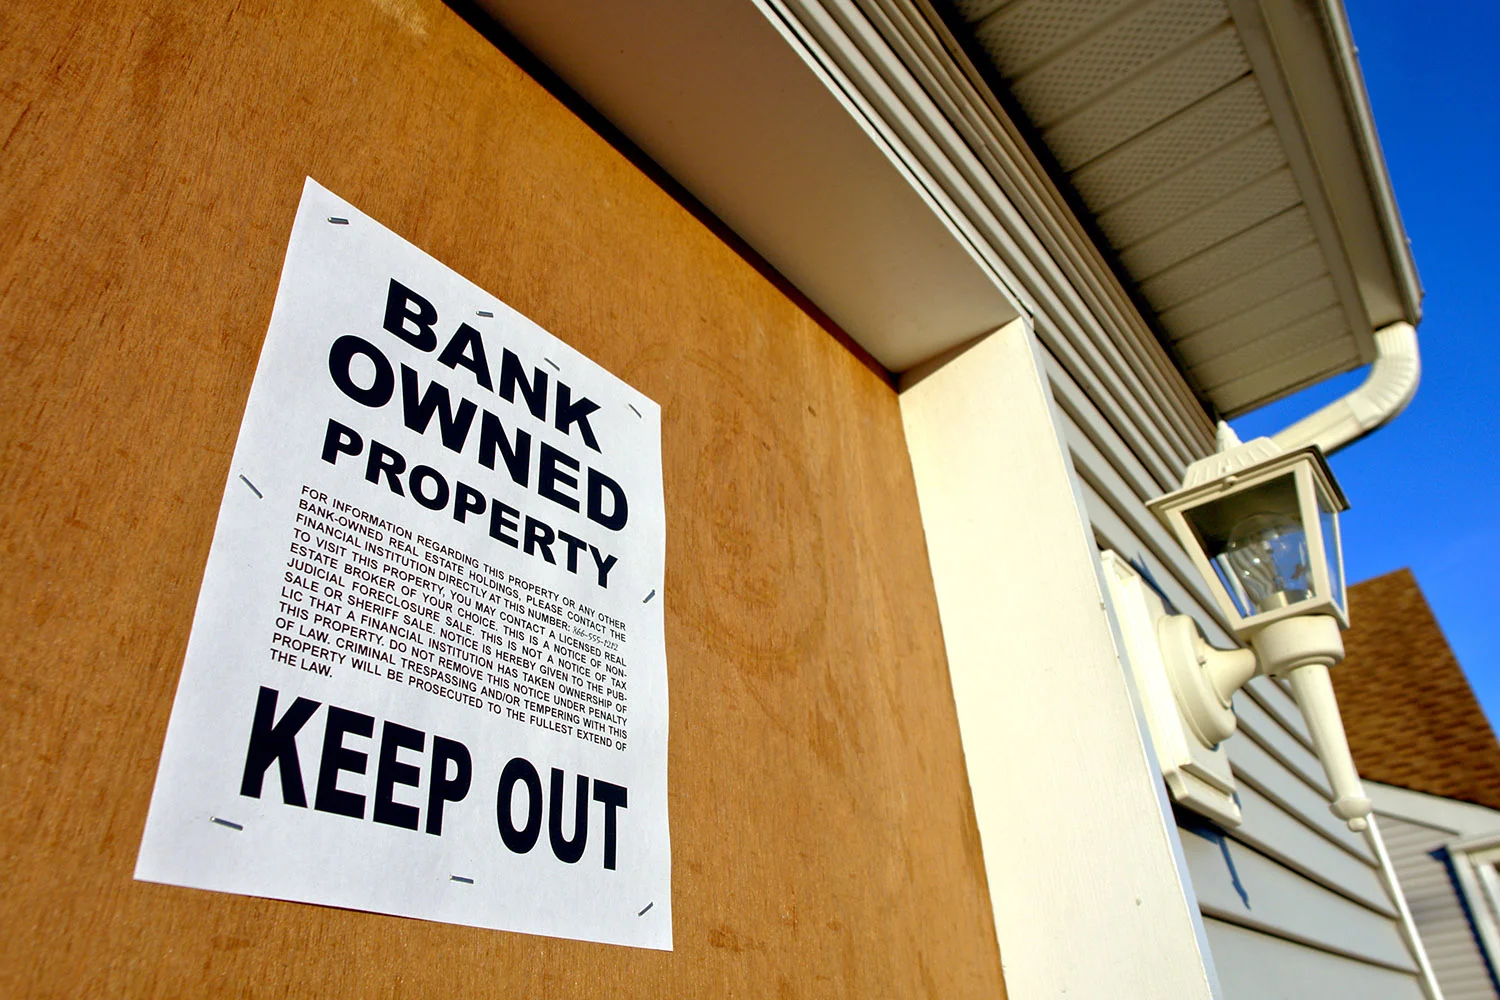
x,y
1424,489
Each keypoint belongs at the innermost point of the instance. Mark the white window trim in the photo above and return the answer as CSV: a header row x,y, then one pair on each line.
x,y
1474,860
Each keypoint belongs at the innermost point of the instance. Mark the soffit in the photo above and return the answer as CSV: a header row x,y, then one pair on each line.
x,y
1218,154
717,96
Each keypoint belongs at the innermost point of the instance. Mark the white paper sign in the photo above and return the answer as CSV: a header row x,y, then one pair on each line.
x,y
427,674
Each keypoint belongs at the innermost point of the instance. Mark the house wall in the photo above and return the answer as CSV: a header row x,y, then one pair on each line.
x,y
1418,828
153,155
1291,889
1292,872
1417,850
1304,876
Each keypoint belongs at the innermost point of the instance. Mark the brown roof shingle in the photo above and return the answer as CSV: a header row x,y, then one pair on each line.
x,y
1411,716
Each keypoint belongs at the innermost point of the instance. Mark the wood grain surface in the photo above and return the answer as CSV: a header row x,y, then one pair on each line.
x,y
151,158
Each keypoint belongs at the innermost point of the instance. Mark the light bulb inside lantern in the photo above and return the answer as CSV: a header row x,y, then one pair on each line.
x,y
1268,555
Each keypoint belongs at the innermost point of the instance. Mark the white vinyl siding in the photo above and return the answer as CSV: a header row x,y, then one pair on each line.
x,y
1319,922
1266,967
1308,879
1436,903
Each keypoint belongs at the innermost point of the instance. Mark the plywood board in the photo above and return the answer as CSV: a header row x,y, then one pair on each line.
x,y
824,842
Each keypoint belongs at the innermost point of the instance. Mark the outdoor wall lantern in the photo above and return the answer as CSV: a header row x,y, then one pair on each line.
x,y
1261,525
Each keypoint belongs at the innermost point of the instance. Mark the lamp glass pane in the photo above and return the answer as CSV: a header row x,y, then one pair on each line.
x,y
1328,516
1256,542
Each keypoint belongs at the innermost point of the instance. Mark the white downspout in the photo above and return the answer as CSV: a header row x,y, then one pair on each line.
x,y
1387,389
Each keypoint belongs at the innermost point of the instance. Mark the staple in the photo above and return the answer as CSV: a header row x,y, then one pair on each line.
x,y
258,494
485,312
338,221
552,363
649,596
461,878
648,906
634,410
226,822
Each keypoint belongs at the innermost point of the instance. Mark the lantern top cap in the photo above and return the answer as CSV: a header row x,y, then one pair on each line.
x,y
1254,458
1229,460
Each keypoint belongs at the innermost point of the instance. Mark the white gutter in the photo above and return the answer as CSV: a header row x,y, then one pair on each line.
x,y
1358,100
1390,385
1393,375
